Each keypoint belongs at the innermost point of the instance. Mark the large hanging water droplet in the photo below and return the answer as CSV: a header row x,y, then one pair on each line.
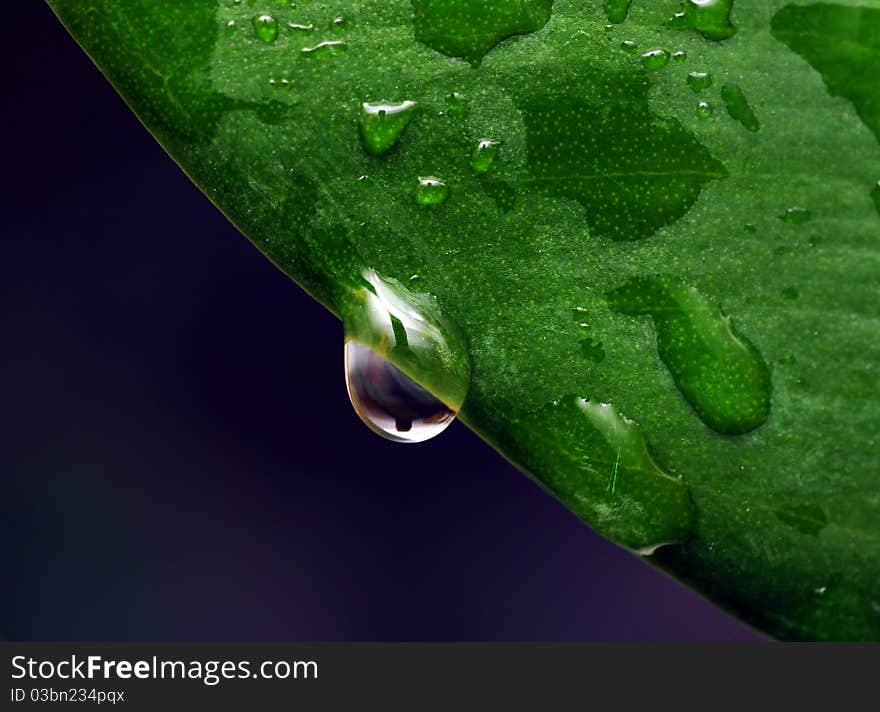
x,y
265,28
655,59
431,191
484,155
617,10
390,402
406,365
711,18
383,123
719,372
738,107
470,28
704,110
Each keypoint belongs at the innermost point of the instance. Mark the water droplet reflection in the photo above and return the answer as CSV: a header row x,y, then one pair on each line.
x,y
388,401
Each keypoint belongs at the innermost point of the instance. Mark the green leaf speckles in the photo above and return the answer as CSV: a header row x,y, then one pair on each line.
x,y
470,28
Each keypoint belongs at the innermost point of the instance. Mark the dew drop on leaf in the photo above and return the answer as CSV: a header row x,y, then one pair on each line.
x,y
456,105
720,373
388,401
711,18
265,28
704,110
431,191
325,49
738,107
382,124
484,155
299,27
655,59
231,28
617,10
629,46
470,28
680,56
699,81
796,216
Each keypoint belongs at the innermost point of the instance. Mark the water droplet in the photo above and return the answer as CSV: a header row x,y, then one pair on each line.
x,y
406,366
298,27
456,105
704,110
389,401
699,81
720,373
789,293
655,59
338,24
431,191
325,48
579,313
632,172
617,10
711,18
231,28
738,107
750,229
470,28
608,477
383,123
484,155
796,216
592,350
629,47
875,195
265,27
680,56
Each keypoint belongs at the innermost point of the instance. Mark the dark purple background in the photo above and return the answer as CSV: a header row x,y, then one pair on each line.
x,y
179,458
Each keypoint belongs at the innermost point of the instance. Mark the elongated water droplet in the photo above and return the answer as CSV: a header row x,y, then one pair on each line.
x,y
629,47
720,373
431,191
796,216
327,48
383,123
608,477
704,110
389,401
655,59
699,81
470,28
617,10
265,28
231,28
711,18
406,366
484,155
875,195
299,27
456,105
738,107
680,56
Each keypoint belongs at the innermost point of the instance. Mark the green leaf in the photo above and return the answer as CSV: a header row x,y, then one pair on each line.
x,y
667,315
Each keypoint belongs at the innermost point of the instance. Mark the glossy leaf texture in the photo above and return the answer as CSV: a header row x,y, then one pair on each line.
x,y
665,304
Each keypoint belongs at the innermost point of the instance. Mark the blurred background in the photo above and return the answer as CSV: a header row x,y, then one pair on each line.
x,y
179,457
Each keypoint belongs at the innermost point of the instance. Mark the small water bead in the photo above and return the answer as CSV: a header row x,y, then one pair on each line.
x,y
231,28
456,105
655,59
738,107
431,191
484,155
796,216
680,56
617,10
266,28
298,27
699,81
629,47
406,366
338,24
388,401
704,110
382,124
711,18
750,229
719,372
325,48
